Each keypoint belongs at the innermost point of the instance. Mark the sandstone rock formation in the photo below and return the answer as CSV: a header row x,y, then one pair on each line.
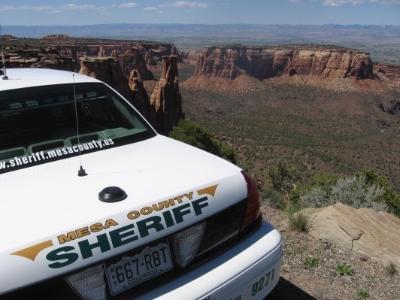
x,y
389,72
102,52
121,64
139,93
133,59
114,53
165,101
38,58
108,70
363,230
191,56
8,38
33,52
163,109
262,63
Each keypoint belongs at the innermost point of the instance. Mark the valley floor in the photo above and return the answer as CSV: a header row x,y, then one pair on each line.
x,y
316,130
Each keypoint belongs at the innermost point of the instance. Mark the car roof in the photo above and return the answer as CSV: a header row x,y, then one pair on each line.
x,y
31,77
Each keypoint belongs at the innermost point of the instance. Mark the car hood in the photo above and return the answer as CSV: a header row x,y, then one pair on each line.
x,y
49,208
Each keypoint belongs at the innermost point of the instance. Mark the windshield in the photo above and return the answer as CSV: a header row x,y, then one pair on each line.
x,y
39,124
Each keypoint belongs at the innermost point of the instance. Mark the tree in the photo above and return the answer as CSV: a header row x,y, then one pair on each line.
x,y
192,134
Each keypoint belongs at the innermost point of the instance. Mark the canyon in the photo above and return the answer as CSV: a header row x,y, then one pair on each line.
x,y
146,73
231,62
124,65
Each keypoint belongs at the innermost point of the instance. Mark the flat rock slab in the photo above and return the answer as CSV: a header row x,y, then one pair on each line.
x,y
369,232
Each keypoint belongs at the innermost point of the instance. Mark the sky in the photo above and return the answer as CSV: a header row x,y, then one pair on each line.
x,y
72,12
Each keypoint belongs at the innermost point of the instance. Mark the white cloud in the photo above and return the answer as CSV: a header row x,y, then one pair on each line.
x,y
348,2
67,7
86,7
177,4
156,9
190,4
386,1
151,8
26,7
186,4
127,5
341,2
72,6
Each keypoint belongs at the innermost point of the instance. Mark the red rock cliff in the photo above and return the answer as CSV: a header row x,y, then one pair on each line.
x,y
166,100
139,93
163,109
231,62
388,72
133,59
64,52
108,70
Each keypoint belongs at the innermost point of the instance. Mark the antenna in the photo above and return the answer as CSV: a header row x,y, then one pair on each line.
x,y
2,57
81,171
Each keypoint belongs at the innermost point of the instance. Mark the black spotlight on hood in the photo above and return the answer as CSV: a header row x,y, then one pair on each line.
x,y
112,194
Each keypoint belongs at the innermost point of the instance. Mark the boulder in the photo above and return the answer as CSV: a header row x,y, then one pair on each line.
x,y
364,230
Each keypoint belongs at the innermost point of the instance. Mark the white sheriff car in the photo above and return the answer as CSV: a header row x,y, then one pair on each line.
x,y
145,217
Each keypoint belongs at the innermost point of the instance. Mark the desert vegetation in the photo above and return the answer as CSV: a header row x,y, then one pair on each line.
x,y
344,269
362,294
308,146
362,189
291,194
193,134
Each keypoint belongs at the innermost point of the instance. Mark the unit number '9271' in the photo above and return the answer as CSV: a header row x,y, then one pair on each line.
x,y
262,282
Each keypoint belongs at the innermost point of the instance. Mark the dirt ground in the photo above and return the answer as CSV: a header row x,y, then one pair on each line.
x,y
310,270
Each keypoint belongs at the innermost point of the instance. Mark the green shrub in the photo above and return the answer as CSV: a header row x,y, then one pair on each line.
x,y
352,190
392,200
363,189
324,180
298,220
283,177
390,197
274,198
362,294
311,262
192,134
344,269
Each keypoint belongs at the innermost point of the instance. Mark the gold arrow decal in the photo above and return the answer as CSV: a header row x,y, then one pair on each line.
x,y
33,251
208,190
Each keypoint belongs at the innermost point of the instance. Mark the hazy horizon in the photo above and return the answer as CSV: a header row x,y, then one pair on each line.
x,y
202,24
212,12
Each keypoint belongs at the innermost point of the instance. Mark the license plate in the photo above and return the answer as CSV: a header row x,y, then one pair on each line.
x,y
131,271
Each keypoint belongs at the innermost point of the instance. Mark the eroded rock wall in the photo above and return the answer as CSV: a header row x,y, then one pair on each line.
x,y
262,63
108,70
390,72
163,109
166,99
